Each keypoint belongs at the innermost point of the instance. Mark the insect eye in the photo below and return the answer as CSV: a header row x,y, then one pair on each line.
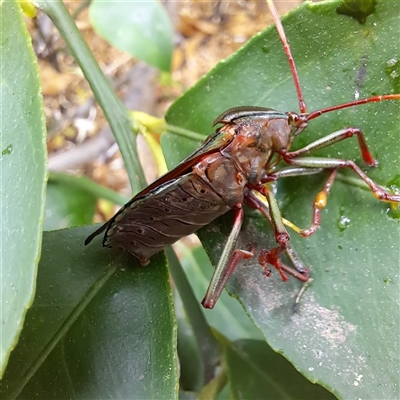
x,y
293,118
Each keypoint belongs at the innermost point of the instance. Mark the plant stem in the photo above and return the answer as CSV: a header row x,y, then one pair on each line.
x,y
116,113
185,133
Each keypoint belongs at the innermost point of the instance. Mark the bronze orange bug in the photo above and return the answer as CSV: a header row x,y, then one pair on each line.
x,y
230,169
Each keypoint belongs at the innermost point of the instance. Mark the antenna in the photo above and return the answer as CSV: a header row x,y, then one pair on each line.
x,y
286,48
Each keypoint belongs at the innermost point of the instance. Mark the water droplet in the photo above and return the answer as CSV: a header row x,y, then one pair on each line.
x,y
393,211
343,222
392,69
265,49
392,62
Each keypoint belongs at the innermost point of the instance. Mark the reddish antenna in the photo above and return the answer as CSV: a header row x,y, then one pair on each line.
x,y
295,75
374,99
282,36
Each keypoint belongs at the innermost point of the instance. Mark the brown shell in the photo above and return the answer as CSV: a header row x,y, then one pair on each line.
x,y
176,209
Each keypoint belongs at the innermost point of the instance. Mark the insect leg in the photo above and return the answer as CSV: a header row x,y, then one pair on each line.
x,y
300,294
334,138
335,163
320,202
290,171
292,158
230,258
281,236
300,271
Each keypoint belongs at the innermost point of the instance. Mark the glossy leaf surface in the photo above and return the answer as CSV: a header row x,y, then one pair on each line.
x,y
256,372
23,174
353,302
141,28
100,326
229,318
67,206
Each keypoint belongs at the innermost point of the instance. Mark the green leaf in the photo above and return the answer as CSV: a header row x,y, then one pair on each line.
x,y
256,372
100,326
84,183
191,367
359,10
142,29
206,341
229,318
71,200
23,174
353,302
68,206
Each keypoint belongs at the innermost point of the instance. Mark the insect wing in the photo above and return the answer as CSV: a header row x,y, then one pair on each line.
x,y
213,143
139,198
123,216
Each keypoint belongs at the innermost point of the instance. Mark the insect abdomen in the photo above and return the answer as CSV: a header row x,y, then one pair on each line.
x,y
176,209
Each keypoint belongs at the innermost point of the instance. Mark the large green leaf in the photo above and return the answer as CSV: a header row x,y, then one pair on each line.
x,y
71,200
345,334
23,174
141,28
99,327
256,372
67,206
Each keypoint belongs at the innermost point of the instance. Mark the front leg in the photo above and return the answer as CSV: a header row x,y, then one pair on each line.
x,y
329,140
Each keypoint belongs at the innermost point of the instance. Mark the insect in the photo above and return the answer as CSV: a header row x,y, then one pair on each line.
x,y
231,169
